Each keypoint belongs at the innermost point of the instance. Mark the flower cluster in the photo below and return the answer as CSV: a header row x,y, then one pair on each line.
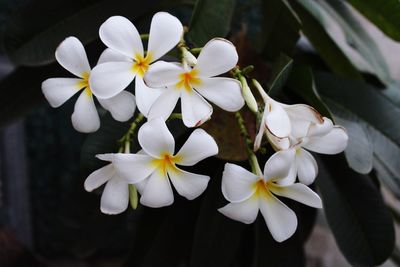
x,y
290,129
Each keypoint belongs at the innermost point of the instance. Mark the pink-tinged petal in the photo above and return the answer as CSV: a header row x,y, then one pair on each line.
x,y
332,143
307,168
237,183
85,118
217,57
155,138
245,212
72,56
165,33
223,92
200,145
122,106
187,184
157,192
58,90
99,177
115,197
281,221
110,78
195,110
119,34
298,192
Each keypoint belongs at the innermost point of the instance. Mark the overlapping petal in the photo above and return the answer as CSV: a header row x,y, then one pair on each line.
x,y
307,168
245,212
157,192
298,192
187,184
72,56
110,55
115,197
85,118
122,106
133,167
119,34
223,92
162,74
146,96
237,183
165,33
278,165
277,120
99,177
217,57
164,105
155,138
195,110
332,143
199,145
59,90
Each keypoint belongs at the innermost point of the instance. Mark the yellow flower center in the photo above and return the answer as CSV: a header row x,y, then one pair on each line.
x,y
84,84
188,79
166,163
262,188
141,64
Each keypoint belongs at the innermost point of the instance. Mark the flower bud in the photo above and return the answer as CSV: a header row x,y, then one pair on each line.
x,y
188,57
248,95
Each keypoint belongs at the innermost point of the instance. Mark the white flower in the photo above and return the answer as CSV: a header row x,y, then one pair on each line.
x,y
119,34
281,121
72,56
324,138
249,193
192,84
153,167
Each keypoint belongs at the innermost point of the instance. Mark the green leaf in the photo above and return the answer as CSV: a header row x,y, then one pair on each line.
x,y
280,29
356,213
210,19
385,14
315,26
280,74
379,115
84,24
358,38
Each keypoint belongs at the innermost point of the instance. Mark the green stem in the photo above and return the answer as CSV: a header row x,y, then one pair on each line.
x,y
127,138
196,50
144,36
175,116
255,167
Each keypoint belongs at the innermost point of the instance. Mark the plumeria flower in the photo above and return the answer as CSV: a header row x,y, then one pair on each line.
x,y
152,169
324,138
249,193
192,85
72,56
119,34
280,120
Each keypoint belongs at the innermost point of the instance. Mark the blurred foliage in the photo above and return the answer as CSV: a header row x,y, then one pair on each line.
x,y
311,51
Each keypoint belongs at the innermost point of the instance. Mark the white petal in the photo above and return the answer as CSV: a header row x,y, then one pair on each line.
x,y
162,74
278,143
277,120
72,56
187,184
260,134
245,212
307,168
133,167
303,112
199,145
122,106
165,33
155,138
141,185
115,197
223,92
59,90
332,143
157,192
217,57
164,105
146,96
121,35
320,128
278,165
109,79
281,221
195,110
99,177
291,177
110,55
298,192
237,183
85,118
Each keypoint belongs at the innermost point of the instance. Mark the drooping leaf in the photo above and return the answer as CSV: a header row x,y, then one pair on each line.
x,y
210,19
356,213
315,26
385,14
280,74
